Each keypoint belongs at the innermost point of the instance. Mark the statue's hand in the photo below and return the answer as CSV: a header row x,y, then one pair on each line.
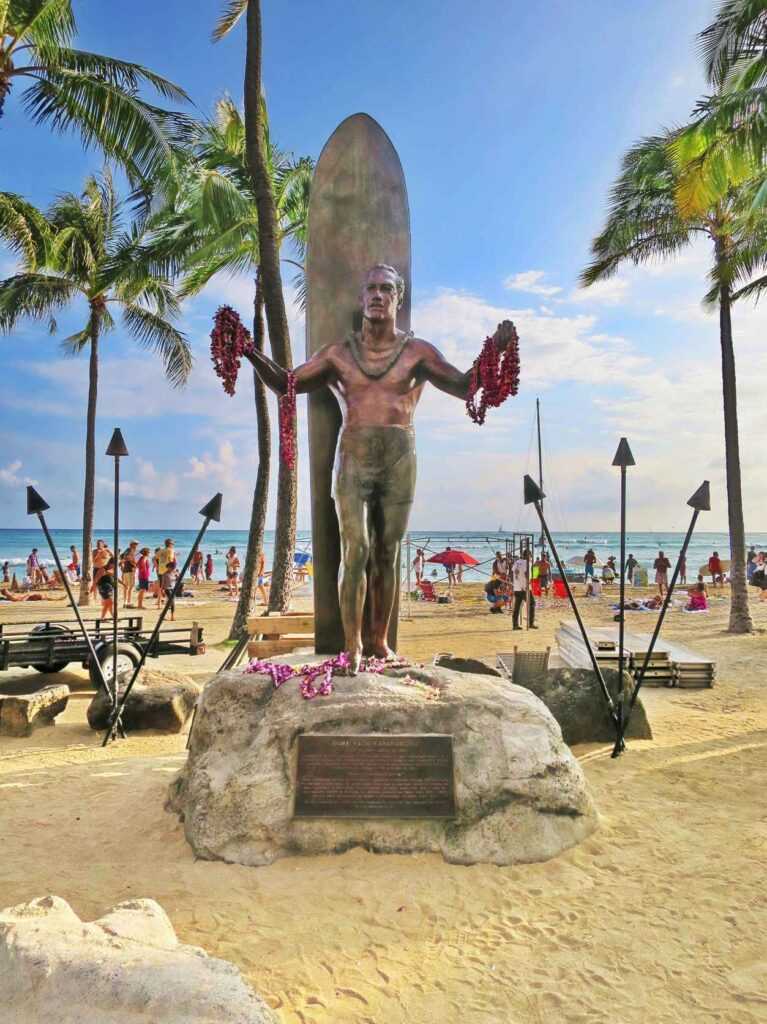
x,y
505,334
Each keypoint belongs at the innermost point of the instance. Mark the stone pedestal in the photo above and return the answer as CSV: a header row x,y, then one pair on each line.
x,y
520,794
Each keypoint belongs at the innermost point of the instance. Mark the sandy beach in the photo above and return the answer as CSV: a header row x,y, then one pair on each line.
x,y
659,917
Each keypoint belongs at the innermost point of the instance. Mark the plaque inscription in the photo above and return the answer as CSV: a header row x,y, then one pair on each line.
x,y
375,776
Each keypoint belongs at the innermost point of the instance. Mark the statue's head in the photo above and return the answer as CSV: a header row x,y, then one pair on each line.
x,y
383,292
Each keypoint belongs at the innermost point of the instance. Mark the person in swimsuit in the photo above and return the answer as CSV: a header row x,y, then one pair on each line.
x,y
377,376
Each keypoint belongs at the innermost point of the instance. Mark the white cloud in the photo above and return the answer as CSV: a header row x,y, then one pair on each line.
x,y
9,475
610,292
530,281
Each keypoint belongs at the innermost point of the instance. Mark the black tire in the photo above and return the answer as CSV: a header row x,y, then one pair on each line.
x,y
128,657
46,629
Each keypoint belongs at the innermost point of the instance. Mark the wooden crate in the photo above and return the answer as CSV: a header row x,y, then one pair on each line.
x,y
279,634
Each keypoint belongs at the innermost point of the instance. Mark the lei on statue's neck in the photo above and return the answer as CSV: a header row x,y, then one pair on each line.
x,y
496,375
230,340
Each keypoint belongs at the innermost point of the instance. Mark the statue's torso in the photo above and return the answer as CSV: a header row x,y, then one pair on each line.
x,y
386,400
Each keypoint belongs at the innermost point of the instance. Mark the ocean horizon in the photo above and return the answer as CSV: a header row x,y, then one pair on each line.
x,y
16,544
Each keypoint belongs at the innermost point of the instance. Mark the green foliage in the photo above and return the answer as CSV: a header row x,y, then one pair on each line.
x,y
92,95
233,11
79,248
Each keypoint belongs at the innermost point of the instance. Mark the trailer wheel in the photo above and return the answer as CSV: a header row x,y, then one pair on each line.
x,y
46,629
127,659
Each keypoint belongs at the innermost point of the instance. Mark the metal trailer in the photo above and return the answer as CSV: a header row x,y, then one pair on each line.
x,y
51,645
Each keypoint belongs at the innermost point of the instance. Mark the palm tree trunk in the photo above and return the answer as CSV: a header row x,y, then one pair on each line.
x,y
89,495
740,615
261,493
274,300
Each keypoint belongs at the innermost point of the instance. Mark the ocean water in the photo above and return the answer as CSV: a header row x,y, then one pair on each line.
x,y
15,545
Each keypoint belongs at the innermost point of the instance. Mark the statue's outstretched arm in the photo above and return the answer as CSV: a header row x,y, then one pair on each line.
x,y
310,376
448,378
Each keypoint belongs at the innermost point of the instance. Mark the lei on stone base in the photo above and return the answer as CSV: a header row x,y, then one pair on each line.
x,y
309,674
496,375
230,340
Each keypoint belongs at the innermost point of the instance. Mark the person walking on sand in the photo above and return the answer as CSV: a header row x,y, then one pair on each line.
x,y
261,578
33,567
144,572
661,566
209,568
418,564
196,567
232,572
631,564
101,555
520,575
74,562
682,568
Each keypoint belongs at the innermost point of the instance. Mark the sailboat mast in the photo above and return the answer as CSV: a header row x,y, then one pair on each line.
x,y
540,456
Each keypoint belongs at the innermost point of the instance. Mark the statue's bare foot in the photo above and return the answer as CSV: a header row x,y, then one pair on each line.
x,y
355,657
382,650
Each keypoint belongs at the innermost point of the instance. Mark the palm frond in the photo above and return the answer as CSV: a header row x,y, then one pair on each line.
x,y
37,296
154,332
128,129
46,24
738,31
123,74
75,343
233,11
24,229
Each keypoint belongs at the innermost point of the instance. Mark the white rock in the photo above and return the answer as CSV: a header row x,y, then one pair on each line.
x,y
520,794
126,968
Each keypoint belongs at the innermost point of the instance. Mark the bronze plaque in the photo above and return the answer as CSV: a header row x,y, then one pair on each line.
x,y
375,776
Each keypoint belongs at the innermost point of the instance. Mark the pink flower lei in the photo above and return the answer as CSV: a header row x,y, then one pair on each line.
x,y
230,340
309,674
496,375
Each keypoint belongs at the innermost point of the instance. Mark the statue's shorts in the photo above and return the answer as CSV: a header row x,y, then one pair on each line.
x,y
375,464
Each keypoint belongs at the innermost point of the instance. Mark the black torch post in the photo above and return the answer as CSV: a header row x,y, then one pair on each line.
x,y
623,458
117,449
699,502
211,511
533,495
36,506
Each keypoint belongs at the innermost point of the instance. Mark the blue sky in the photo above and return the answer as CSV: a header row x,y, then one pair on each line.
x,y
510,119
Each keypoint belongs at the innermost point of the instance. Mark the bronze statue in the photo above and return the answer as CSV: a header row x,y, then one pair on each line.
x,y
377,376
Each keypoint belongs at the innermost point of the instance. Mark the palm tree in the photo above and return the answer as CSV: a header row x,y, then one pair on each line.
x,y
646,222
95,96
256,156
79,250
209,224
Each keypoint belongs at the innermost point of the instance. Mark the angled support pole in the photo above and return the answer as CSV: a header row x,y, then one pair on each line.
x,y
36,506
699,502
533,495
211,511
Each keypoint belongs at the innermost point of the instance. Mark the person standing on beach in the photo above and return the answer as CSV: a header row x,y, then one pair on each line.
x,y
418,564
631,564
101,555
128,566
716,571
589,561
196,567
209,568
750,563
6,572
682,568
33,567
520,575
106,589
261,578
144,571
74,562
544,573
661,566
158,581
232,571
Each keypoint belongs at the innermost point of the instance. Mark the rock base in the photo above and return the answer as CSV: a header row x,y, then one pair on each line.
x,y
126,968
520,794
21,714
159,700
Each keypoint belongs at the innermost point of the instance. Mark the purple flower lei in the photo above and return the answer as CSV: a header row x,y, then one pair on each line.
x,y
280,673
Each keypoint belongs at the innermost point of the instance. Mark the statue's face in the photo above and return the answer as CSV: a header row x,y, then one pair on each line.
x,y
379,296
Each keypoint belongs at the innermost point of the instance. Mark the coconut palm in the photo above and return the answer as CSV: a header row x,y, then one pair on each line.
x,y
70,89
257,160
208,224
74,252
645,223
